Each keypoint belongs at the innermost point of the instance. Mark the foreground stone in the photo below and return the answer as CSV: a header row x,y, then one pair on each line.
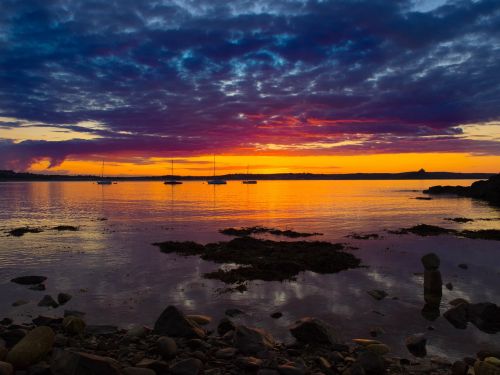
x,y
251,341
314,331
416,345
32,348
173,323
65,362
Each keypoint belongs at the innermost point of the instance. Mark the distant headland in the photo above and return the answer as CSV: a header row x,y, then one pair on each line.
x,y
7,175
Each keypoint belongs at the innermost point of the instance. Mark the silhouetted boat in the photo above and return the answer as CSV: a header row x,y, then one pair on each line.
x,y
102,181
172,180
216,181
249,182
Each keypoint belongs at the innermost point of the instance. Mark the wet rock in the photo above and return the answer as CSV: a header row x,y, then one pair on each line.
x,y
233,312
225,353
459,368
485,368
250,363
6,368
449,286
75,363
416,345
225,325
290,370
32,348
63,298
252,340
29,280
201,320
190,366
73,325
431,262
370,363
173,323
138,371
377,294
431,310
314,331
433,283
13,336
276,315
66,228
167,347
19,302
48,301
485,316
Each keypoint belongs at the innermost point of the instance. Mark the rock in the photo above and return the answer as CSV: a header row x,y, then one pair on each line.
x,y
138,331
366,342
19,302
290,370
458,301
370,363
485,316
225,353
73,325
433,283
62,298
6,368
416,345
463,266
159,367
377,294
38,287
74,363
276,315
459,368
252,340
32,348
29,280
173,323
250,363
225,325
314,331
138,371
379,349
493,361
48,301
485,368
431,262
167,347
190,366
13,336
449,286
201,320
233,312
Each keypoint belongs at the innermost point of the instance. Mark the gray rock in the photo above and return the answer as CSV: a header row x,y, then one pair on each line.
x,y
190,366
314,331
73,363
225,325
6,368
48,301
29,280
431,262
416,345
252,340
173,323
167,347
138,371
63,298
32,348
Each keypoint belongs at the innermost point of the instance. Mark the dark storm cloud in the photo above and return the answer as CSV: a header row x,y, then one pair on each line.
x,y
191,77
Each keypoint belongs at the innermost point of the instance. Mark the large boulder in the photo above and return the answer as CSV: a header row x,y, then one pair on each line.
x,y
252,340
172,322
314,331
32,348
65,362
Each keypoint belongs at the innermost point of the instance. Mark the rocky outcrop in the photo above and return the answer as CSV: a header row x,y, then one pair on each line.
x,y
487,190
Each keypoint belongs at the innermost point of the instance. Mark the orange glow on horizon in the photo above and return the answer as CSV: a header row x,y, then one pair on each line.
x,y
226,164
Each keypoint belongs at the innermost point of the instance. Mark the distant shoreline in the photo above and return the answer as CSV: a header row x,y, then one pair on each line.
x,y
6,176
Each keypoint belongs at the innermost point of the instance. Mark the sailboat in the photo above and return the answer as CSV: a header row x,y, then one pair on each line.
x,y
249,182
172,180
102,181
216,181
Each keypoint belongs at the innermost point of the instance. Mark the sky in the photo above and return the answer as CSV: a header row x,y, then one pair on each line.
x,y
280,86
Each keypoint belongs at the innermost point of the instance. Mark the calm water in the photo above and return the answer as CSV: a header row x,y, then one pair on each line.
x,y
117,277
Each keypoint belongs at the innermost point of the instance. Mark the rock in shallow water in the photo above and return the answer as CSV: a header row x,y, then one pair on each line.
x,y
314,331
29,280
63,298
48,301
173,323
32,348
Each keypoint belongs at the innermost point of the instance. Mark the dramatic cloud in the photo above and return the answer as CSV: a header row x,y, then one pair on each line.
x,y
183,78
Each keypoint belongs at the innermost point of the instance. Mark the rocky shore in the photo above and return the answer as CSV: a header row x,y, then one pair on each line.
x,y
487,190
